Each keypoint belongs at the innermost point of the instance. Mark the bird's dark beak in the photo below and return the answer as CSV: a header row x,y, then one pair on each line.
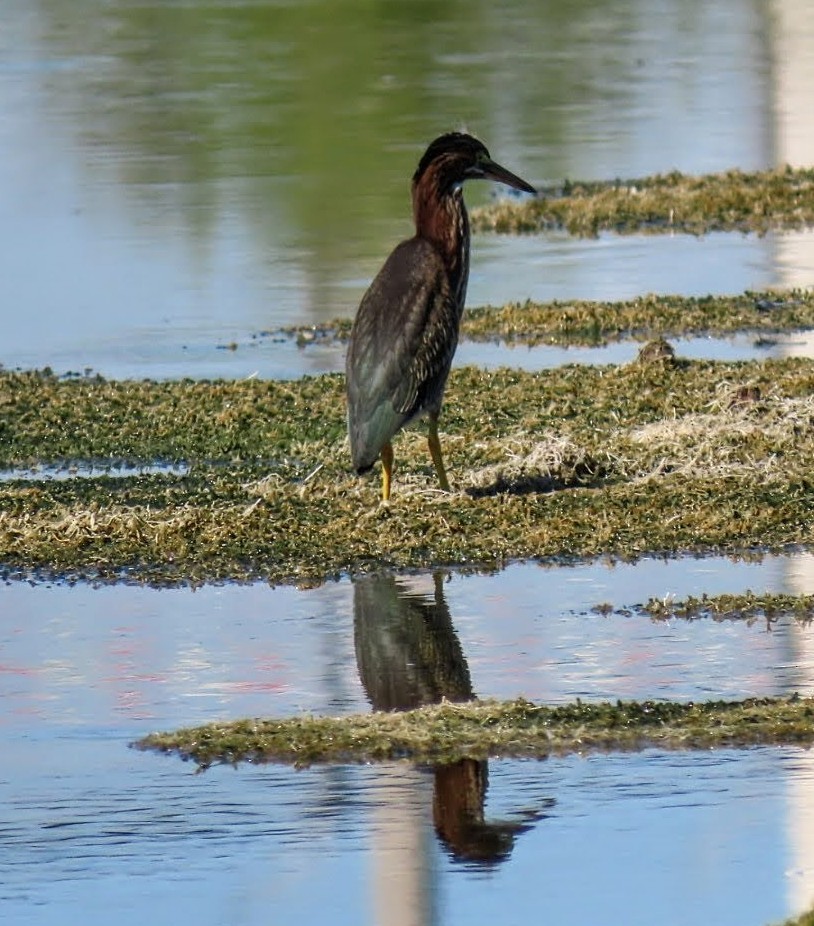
x,y
489,170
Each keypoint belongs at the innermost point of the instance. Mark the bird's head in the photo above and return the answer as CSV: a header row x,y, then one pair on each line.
x,y
455,157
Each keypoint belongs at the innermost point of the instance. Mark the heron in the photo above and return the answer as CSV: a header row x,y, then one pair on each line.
x,y
405,332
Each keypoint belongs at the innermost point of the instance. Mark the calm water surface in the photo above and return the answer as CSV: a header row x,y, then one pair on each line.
x,y
605,838
179,177
156,657
91,826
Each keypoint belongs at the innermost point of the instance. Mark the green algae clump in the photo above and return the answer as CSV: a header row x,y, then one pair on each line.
x,y
448,732
731,201
642,458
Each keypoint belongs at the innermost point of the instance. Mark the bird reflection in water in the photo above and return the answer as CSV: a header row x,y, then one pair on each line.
x,y
409,655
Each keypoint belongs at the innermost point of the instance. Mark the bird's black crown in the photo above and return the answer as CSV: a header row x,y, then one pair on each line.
x,y
455,148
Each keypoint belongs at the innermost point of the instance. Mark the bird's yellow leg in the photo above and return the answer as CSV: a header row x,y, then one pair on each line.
x,y
387,470
435,452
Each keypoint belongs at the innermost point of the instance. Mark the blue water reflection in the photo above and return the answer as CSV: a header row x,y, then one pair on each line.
x,y
126,657
91,828
116,835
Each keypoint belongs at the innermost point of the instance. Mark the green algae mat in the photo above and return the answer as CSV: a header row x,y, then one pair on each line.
x,y
581,323
731,201
447,732
661,455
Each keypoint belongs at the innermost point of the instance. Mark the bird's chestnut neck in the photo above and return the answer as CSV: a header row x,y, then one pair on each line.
x,y
440,216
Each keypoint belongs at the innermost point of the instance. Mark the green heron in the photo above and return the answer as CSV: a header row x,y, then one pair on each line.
x,y
406,329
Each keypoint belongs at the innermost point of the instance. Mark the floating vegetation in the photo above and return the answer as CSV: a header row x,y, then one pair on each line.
x,y
749,607
674,202
448,732
649,457
571,323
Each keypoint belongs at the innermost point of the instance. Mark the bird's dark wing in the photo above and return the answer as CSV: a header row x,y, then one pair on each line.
x,y
401,347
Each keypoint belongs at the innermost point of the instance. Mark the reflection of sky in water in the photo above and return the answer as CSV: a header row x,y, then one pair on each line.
x,y
541,357
74,470
508,268
143,342
90,825
128,658
696,832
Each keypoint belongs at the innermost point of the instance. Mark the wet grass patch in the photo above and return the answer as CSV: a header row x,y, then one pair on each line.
x,y
586,323
731,201
593,324
449,732
657,456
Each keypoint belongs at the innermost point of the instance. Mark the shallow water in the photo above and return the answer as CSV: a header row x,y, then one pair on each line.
x,y
607,838
77,470
504,269
180,176
92,826
156,657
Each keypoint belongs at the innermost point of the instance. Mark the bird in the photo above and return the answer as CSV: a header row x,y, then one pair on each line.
x,y
405,331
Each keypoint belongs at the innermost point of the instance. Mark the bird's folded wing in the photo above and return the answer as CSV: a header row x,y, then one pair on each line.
x,y
402,344
406,330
